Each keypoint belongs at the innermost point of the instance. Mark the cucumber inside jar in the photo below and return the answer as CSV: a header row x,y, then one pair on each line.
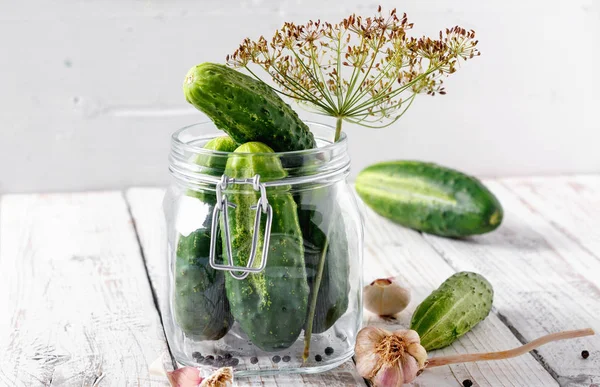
x,y
270,306
323,231
199,294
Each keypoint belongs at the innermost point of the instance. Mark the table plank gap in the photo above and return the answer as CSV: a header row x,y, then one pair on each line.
x,y
145,204
77,307
543,283
152,288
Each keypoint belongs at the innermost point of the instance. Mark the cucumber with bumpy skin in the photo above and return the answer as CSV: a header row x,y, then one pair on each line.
x,y
270,306
245,108
199,303
453,309
429,198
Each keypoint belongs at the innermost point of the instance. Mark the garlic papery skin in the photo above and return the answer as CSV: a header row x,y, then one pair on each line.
x,y
386,358
385,297
223,377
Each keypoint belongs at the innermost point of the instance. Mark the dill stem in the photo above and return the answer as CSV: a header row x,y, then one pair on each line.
x,y
338,128
465,358
313,302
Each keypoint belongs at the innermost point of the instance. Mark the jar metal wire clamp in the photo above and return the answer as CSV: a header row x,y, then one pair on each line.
x,y
223,205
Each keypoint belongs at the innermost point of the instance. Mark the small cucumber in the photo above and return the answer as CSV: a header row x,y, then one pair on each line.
x,y
245,108
429,198
199,303
270,306
453,309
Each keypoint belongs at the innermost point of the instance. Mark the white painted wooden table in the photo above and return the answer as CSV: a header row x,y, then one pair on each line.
x,y
80,284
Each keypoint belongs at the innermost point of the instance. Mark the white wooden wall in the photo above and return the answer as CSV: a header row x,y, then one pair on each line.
x,y
90,90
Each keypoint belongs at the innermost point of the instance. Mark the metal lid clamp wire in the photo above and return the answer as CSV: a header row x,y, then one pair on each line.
x,y
223,205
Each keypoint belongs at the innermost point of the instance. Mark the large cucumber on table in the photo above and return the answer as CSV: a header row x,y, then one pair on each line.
x,y
270,306
245,108
199,303
429,198
460,303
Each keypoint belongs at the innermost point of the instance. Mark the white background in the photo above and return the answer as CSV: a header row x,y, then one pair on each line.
x,y
90,91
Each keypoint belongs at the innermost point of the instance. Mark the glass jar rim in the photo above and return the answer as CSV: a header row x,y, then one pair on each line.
x,y
323,163
183,146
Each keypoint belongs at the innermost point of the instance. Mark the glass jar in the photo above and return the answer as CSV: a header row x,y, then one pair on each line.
x,y
233,302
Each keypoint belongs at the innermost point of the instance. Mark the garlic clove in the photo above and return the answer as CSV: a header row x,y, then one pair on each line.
x,y
185,377
417,351
408,335
385,297
390,375
410,369
368,365
368,338
368,360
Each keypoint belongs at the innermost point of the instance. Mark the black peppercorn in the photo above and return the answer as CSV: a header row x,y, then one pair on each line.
x,y
328,351
585,354
286,358
253,360
196,354
235,361
318,357
276,359
467,383
227,356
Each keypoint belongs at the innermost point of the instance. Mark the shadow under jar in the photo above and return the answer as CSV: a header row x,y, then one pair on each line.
x,y
261,246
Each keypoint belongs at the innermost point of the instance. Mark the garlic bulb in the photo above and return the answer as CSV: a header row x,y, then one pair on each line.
x,y
389,359
385,297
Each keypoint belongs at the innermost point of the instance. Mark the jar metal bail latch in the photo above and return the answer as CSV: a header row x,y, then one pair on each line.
x,y
223,205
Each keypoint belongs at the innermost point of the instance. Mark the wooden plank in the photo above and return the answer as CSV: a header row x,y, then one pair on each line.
x,y
75,299
570,204
544,282
146,208
392,250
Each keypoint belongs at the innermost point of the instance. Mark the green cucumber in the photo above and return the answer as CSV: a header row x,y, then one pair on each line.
x,y
270,306
453,309
199,303
429,198
245,108
320,215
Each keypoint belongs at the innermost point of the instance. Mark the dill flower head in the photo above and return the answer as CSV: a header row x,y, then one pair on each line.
x,y
362,70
